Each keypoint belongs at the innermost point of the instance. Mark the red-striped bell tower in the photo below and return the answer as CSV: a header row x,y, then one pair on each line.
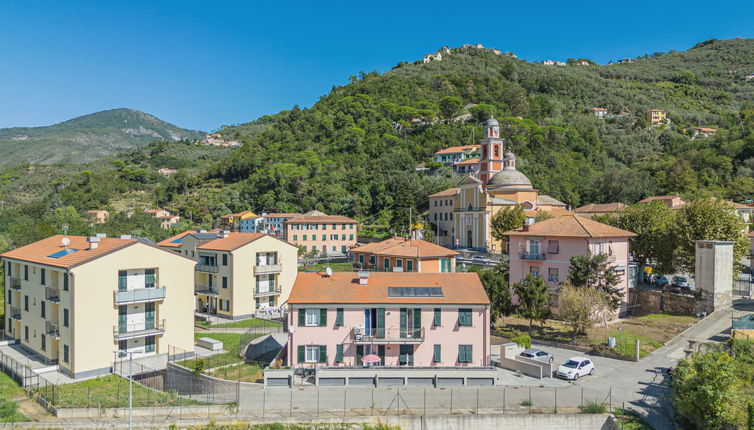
x,y
491,160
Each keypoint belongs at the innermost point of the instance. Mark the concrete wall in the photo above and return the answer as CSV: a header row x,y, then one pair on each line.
x,y
528,369
435,377
653,302
714,273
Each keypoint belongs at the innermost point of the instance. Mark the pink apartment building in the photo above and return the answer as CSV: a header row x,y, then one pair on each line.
x,y
392,319
545,249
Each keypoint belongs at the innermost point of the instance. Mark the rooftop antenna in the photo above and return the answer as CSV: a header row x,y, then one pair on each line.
x,y
65,229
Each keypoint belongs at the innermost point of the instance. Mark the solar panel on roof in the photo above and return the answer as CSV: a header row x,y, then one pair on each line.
x,y
202,236
414,292
179,240
62,253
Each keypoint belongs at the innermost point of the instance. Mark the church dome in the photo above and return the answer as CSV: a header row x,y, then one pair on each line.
x,y
490,122
509,177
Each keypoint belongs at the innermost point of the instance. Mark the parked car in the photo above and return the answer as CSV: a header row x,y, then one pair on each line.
x,y
680,281
536,354
575,367
479,259
661,281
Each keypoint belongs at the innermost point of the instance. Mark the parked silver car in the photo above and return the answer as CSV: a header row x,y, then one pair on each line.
x,y
536,354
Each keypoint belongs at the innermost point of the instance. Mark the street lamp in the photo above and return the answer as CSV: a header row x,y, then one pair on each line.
x,y
121,354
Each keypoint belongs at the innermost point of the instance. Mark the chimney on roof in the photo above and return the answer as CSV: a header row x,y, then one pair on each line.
x,y
124,236
223,234
100,235
363,277
93,242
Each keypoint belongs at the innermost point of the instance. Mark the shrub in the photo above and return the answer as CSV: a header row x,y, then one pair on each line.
x,y
593,408
523,340
198,367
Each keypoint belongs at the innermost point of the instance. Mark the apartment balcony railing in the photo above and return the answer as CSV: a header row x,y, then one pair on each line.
x,y
52,295
535,256
267,292
387,336
15,283
207,290
207,268
143,329
382,269
52,330
15,313
139,295
267,269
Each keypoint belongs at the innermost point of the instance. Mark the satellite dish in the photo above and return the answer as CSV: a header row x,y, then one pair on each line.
x,y
328,271
65,241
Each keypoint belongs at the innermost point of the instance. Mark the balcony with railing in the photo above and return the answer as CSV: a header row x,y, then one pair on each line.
x,y
267,269
139,295
207,290
52,295
532,256
267,291
15,283
384,336
15,313
52,330
142,329
207,268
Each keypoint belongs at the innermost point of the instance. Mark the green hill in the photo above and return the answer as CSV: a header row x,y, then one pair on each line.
x,y
87,138
355,150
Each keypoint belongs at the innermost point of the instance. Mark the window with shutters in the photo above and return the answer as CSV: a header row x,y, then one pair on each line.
x,y
436,354
65,354
312,354
65,282
312,317
42,276
65,317
339,317
553,247
26,272
43,309
464,317
437,321
225,259
339,353
464,354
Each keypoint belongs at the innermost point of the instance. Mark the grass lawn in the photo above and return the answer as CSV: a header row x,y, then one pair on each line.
x,y
336,267
249,323
110,392
246,372
10,392
651,330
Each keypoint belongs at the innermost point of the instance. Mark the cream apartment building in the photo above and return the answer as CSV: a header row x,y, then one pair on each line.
x,y
323,234
76,300
237,274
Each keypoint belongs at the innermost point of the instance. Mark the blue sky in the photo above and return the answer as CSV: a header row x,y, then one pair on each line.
x,y
203,64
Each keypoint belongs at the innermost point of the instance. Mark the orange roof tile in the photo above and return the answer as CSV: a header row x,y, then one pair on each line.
x,y
321,219
39,252
171,241
467,161
601,207
232,242
282,215
402,247
555,212
446,193
706,130
570,226
653,198
456,149
344,287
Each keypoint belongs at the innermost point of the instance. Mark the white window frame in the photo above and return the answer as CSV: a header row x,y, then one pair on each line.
x,y
311,351
312,318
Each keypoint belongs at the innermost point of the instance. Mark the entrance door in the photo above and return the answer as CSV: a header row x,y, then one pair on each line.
x,y
469,242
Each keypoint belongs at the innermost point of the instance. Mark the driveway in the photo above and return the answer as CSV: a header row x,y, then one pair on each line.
x,y
643,386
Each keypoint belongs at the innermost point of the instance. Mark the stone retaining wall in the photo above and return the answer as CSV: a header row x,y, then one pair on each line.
x,y
654,302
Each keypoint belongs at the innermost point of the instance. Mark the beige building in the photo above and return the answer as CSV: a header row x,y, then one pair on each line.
x,y
657,117
75,300
323,234
237,274
441,206
167,219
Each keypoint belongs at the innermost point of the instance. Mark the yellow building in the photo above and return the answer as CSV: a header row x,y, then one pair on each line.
x,y
657,117
75,300
237,274
498,185
232,222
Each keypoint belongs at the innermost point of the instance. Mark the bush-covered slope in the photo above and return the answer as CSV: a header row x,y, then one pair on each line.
x,y
87,137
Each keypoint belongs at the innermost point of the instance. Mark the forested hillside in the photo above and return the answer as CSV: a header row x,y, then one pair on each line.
x,y
87,138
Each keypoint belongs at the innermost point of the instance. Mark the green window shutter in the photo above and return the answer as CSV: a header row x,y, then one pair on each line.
x,y
404,321
468,354
359,354
301,317
301,354
436,354
339,353
323,353
464,317
381,354
461,353
380,322
438,317
323,317
339,317
417,322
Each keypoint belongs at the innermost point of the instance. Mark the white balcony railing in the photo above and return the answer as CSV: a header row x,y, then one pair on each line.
x,y
139,295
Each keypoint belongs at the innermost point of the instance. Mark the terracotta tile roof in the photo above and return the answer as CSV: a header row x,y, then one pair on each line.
x,y
232,242
344,287
39,252
240,214
282,215
543,199
153,211
653,198
402,247
570,226
706,130
171,241
446,193
467,161
599,109
457,149
321,219
601,207
555,212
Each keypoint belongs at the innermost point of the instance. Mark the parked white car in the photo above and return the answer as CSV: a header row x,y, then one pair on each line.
x,y
575,367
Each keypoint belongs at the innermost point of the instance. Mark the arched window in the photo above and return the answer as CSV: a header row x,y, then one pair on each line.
x,y
497,151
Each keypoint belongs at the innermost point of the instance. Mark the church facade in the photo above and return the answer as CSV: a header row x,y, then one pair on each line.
x,y
480,196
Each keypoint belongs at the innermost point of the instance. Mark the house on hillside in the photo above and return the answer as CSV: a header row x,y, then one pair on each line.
x,y
703,132
164,171
449,156
749,77
545,249
656,117
167,219
388,319
273,223
322,234
232,222
673,202
399,254
592,209
468,166
599,112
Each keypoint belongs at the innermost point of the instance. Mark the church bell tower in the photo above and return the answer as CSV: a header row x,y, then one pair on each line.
x,y
491,160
